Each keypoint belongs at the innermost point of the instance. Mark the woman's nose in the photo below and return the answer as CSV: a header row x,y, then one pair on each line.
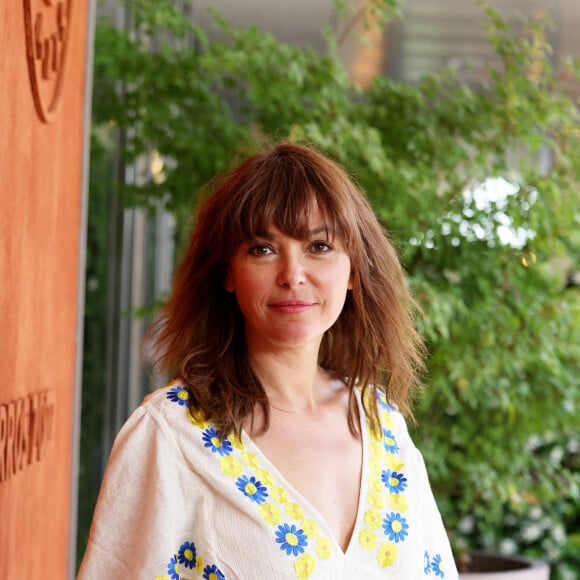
x,y
291,272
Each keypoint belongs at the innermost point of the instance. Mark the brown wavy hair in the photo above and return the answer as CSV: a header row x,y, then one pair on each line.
x,y
199,336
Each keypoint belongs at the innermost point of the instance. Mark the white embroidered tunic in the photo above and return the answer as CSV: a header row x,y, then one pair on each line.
x,y
177,504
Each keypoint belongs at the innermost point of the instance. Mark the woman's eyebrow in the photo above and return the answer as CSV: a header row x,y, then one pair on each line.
x,y
318,230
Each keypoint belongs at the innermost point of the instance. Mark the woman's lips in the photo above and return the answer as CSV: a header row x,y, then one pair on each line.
x,y
291,306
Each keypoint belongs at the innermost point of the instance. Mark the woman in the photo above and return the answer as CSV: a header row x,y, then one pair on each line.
x,y
280,450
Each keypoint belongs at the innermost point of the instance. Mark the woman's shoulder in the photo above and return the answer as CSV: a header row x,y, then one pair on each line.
x,y
165,397
166,423
171,405
163,415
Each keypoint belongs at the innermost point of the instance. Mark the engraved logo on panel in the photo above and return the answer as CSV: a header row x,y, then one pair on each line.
x,y
26,431
47,35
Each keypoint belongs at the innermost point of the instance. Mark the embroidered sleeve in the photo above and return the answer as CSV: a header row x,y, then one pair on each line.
x,y
142,486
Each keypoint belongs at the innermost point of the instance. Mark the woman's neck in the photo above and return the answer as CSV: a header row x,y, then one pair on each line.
x,y
291,380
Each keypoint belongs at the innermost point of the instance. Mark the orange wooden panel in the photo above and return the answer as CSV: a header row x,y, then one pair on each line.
x,y
42,80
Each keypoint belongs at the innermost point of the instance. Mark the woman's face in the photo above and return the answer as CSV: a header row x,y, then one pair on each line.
x,y
290,291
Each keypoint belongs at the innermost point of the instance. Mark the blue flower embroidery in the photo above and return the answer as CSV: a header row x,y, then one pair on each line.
x,y
389,441
178,395
395,527
291,539
426,563
437,566
213,573
395,482
173,568
252,488
211,439
187,554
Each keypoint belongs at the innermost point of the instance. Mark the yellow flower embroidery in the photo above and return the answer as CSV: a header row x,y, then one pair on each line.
x,y
162,578
230,466
393,462
304,565
278,494
236,441
373,519
375,483
323,548
376,501
250,458
367,539
199,565
375,465
310,528
264,476
387,554
376,448
270,513
197,418
294,511
387,420
398,502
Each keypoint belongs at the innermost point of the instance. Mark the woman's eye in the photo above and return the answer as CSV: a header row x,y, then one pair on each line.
x,y
320,247
260,250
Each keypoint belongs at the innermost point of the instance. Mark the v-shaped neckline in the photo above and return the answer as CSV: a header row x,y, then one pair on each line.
x,y
265,462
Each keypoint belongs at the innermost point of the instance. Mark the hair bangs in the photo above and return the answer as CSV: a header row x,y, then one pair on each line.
x,y
283,194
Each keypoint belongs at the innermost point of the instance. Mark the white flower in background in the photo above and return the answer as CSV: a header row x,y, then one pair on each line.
x,y
466,524
559,534
573,445
556,456
491,197
508,547
533,443
532,532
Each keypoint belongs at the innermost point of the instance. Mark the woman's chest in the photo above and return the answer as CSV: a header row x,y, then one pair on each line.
x,y
323,463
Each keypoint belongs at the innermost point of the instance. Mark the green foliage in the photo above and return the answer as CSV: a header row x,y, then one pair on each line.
x,y
502,330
